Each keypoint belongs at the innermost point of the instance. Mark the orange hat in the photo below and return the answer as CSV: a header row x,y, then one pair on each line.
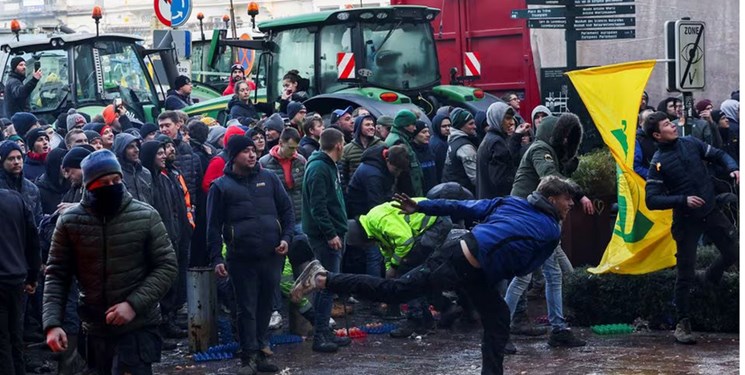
x,y
109,114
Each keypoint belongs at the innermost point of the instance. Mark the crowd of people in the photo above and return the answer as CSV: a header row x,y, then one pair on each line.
x,y
108,215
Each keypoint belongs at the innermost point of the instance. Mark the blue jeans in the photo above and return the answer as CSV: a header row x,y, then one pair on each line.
x,y
373,261
330,260
554,302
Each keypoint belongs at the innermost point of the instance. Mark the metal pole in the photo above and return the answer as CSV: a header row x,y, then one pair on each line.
x,y
569,36
232,20
201,296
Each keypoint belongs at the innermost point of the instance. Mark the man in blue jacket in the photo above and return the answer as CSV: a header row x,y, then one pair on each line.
x,y
514,237
249,209
678,179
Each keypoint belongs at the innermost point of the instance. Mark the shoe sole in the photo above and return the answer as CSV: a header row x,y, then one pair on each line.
x,y
298,288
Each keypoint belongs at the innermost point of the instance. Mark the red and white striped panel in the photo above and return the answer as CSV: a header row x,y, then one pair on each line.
x,y
345,65
472,64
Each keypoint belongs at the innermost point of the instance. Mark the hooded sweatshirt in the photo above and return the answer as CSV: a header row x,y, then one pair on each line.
x,y
352,155
498,156
167,198
549,155
52,186
731,144
138,181
399,135
438,144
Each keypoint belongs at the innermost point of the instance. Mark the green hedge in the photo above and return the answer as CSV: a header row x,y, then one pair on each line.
x,y
610,298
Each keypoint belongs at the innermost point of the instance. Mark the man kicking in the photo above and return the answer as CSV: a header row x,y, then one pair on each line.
x,y
514,237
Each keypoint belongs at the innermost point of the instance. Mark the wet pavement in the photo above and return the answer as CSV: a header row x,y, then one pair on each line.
x,y
456,351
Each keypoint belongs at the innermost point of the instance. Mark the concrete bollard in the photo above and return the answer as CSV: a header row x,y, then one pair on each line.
x,y
201,295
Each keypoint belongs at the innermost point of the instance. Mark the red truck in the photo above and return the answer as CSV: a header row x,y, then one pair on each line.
x,y
503,43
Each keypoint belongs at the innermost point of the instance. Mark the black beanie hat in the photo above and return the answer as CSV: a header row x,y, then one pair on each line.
x,y
74,157
148,128
23,121
91,135
238,143
180,82
14,62
6,147
33,135
420,125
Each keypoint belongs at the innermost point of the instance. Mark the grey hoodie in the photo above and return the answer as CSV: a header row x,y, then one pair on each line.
x,y
498,155
137,180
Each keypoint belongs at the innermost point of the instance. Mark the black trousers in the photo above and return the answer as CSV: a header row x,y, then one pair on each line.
x,y
686,233
446,269
11,330
131,353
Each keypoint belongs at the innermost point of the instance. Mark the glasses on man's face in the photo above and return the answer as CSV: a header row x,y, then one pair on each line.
x,y
515,98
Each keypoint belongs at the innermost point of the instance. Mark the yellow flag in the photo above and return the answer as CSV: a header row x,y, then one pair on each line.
x,y
641,241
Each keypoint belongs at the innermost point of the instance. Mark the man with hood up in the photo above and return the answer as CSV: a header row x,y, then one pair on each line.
x,y
372,183
404,126
52,184
168,200
499,154
137,180
364,138
440,130
460,162
731,110
553,153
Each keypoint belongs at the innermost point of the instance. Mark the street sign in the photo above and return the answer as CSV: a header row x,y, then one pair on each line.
x,y
548,23
576,2
689,55
601,34
604,23
472,64
599,2
173,13
184,68
539,13
582,23
609,10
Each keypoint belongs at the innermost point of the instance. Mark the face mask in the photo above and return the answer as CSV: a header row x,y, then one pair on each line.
x,y
106,200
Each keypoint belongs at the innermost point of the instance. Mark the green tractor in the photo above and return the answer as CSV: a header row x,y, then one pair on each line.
x,y
395,61
86,72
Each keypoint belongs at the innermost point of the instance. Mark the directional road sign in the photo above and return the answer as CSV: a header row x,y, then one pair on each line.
x,y
601,34
539,13
582,23
576,2
173,13
606,10
689,55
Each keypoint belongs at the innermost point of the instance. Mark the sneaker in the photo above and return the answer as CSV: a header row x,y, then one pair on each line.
x,y
323,344
683,334
332,322
263,364
565,338
509,348
275,322
306,282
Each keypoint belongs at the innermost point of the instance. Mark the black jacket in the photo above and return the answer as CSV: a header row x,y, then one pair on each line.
x,y
51,184
677,171
497,159
428,162
371,183
242,111
127,257
20,256
176,101
307,146
189,165
252,214
16,94
439,144
28,190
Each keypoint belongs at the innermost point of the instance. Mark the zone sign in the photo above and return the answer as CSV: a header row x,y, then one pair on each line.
x,y
690,48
